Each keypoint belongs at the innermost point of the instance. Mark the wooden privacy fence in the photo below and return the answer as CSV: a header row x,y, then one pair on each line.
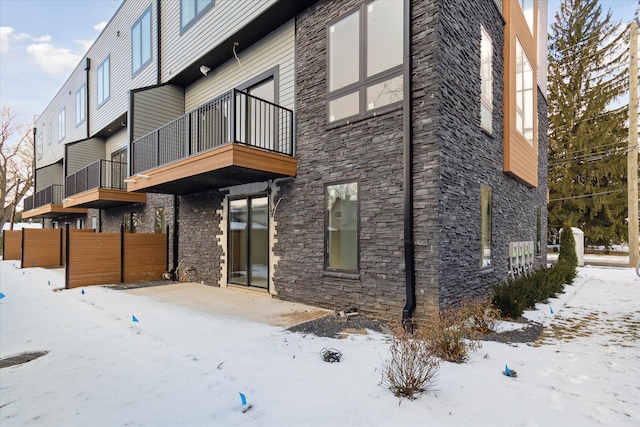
x,y
44,247
105,258
11,244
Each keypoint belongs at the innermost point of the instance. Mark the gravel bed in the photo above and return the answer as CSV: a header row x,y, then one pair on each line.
x,y
135,285
528,334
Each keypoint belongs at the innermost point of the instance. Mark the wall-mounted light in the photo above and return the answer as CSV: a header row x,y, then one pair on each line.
x,y
204,69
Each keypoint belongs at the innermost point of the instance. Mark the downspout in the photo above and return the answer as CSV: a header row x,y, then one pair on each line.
x,y
87,67
407,112
175,232
158,42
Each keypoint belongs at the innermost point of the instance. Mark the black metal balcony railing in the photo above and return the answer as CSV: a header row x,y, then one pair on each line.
x,y
233,117
51,194
99,174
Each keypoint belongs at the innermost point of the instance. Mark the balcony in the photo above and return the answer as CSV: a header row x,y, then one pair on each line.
x,y
47,203
100,185
234,139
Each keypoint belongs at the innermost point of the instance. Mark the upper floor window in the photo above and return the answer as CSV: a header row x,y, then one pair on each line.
x,y
527,10
81,105
62,124
486,81
365,57
342,226
191,10
39,148
49,134
141,42
524,94
103,82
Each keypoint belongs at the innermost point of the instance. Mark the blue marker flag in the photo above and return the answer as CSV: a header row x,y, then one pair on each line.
x,y
133,319
243,398
83,292
551,309
1,295
49,282
507,371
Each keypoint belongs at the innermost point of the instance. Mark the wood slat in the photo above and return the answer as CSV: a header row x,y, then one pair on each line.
x,y
12,242
94,259
145,257
41,247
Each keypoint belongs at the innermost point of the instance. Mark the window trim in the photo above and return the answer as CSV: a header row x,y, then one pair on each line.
x,y
108,76
143,64
62,124
363,82
525,107
484,102
83,103
196,16
328,269
49,134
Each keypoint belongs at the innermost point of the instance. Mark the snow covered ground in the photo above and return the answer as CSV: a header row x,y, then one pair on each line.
x,y
180,366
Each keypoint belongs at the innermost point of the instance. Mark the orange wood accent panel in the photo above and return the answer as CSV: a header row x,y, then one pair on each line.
x,y
520,158
94,259
41,247
145,256
12,242
64,240
52,208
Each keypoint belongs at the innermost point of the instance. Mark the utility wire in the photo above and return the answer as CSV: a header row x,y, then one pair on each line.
x,y
587,195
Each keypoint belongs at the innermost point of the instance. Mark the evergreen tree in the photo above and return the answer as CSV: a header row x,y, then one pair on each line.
x,y
587,139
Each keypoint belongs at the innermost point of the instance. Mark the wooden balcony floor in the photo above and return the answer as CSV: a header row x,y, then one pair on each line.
x,y
103,198
225,166
52,210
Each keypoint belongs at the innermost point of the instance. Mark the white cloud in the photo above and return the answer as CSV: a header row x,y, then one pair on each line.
x,y
21,36
5,33
84,44
42,39
100,26
52,60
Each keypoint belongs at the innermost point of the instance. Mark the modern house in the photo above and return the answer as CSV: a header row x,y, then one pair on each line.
x,y
376,154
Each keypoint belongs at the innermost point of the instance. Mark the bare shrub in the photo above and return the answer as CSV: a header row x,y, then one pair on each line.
x,y
411,367
449,335
480,316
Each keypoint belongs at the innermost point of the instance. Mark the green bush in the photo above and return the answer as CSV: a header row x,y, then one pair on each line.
x,y
567,248
509,299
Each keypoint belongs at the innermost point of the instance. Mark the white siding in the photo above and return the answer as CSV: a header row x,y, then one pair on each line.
x,y
49,175
155,107
276,49
543,10
223,19
84,153
115,42
117,141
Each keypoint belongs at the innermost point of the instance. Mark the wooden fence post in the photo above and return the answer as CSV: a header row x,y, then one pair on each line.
x,y
66,266
121,253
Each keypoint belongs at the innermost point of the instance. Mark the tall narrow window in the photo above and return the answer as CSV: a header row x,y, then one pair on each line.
x,y
81,102
191,10
62,132
486,82
485,226
524,94
141,42
104,89
49,134
365,55
527,10
538,230
342,224
159,226
39,147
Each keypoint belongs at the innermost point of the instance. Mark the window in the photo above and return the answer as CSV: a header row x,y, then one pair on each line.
x,y
94,222
130,222
486,81
81,105
39,147
141,42
159,221
527,10
61,124
538,229
365,57
191,10
485,226
524,94
103,82
49,133
79,223
342,225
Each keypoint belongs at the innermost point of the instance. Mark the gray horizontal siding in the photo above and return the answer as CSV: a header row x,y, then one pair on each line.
x,y
84,153
117,142
276,49
49,175
225,18
115,42
155,107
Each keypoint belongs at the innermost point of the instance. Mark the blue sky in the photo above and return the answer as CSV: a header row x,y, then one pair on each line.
x,y
41,42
